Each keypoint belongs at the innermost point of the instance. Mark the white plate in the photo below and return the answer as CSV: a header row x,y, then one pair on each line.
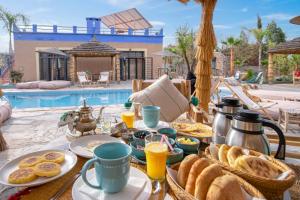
x,y
9,167
79,146
134,172
140,125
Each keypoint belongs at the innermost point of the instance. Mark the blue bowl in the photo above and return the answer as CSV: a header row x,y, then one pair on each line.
x,y
188,148
138,153
172,142
175,156
140,135
169,132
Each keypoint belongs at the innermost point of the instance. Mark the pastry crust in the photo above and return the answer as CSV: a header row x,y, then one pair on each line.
x,y
205,179
233,153
257,166
184,169
225,187
53,156
196,169
30,161
222,153
47,169
22,175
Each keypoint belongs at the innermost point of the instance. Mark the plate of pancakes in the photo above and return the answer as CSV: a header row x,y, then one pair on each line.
x,y
37,168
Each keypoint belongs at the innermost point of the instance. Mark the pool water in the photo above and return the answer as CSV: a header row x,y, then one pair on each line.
x,y
67,98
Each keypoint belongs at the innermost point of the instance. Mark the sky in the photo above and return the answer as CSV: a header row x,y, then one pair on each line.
x,y
230,16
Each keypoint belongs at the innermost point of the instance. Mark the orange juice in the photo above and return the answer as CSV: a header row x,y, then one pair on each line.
x,y
156,156
128,119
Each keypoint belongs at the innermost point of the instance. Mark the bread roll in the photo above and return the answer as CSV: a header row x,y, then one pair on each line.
x,y
196,169
258,166
205,179
223,153
225,187
184,169
233,153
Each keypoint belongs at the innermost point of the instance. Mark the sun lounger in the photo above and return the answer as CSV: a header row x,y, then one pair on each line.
x,y
237,90
83,80
53,85
104,78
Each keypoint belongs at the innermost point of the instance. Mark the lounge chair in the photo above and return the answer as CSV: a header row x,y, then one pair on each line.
x,y
83,80
258,79
104,78
237,90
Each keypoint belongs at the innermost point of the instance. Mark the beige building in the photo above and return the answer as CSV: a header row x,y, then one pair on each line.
x,y
135,47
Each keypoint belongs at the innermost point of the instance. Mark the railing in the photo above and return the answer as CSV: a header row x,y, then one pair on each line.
x,y
84,30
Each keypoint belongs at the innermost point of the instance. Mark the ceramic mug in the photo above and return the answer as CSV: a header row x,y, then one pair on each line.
x,y
112,166
151,115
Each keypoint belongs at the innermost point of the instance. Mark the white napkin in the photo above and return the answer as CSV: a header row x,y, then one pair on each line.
x,y
131,191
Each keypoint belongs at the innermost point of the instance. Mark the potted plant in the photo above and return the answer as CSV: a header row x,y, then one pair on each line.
x,y
15,76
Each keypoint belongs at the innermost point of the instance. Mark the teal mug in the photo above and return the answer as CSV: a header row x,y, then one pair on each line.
x,y
112,166
151,115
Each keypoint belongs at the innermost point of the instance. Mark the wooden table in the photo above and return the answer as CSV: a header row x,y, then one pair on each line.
x,y
46,191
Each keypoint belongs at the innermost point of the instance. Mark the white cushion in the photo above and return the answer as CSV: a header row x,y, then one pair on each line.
x,y
53,85
164,94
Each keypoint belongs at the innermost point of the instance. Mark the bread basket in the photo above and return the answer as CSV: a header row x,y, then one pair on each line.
x,y
271,188
180,193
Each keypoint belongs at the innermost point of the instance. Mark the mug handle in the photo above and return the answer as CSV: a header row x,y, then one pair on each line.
x,y
86,167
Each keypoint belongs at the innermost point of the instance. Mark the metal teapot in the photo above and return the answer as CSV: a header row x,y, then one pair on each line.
x,y
247,131
81,121
221,123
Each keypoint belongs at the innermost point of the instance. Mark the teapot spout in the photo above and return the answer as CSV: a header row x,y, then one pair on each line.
x,y
100,114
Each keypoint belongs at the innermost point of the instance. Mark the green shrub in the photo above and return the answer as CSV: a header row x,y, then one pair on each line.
x,y
16,76
250,74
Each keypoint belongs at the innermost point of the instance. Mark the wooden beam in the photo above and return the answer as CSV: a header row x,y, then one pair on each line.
x,y
270,68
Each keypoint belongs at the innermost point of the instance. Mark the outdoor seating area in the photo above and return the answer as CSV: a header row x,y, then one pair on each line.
x,y
134,107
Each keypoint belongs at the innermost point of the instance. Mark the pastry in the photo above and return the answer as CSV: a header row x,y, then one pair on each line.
x,y
30,161
47,169
23,175
53,156
205,179
233,153
257,166
184,169
225,187
196,169
222,154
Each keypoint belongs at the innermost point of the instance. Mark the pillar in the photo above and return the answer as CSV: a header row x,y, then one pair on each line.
x,y
117,65
54,28
270,68
73,68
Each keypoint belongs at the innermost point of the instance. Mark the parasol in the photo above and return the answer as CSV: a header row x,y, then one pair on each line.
x,y
206,42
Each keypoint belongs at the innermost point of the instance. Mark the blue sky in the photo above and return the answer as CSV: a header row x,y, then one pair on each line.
x,y
230,15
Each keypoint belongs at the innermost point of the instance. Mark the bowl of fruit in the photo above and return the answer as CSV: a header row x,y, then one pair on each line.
x,y
188,144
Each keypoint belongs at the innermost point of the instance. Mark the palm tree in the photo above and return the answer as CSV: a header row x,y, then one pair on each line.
x,y
259,35
10,20
231,42
185,45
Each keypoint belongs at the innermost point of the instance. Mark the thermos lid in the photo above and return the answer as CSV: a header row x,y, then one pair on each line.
x,y
231,101
248,116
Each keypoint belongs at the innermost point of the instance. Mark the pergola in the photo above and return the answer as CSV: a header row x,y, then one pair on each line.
x,y
93,48
289,47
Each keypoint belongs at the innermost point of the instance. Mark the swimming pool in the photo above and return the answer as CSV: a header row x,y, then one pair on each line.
x,y
67,98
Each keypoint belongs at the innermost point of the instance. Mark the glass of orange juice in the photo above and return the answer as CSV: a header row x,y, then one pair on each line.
x,y
128,118
156,156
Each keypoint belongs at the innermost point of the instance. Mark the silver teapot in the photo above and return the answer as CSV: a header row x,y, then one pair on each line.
x,y
222,123
247,131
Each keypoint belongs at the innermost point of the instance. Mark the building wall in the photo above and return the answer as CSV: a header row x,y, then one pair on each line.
x,y
27,61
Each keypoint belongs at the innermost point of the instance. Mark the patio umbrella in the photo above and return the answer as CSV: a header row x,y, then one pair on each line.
x,y
166,55
206,42
295,20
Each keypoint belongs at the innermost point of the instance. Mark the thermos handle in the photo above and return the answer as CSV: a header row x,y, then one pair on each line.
x,y
85,168
280,154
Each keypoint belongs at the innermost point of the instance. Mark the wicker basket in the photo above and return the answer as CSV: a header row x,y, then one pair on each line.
x,y
271,188
180,193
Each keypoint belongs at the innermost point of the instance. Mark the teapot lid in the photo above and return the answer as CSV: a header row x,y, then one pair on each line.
x,y
231,101
248,116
